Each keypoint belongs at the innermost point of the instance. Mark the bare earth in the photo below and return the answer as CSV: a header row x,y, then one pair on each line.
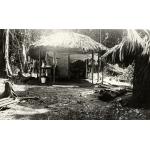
x,y
73,101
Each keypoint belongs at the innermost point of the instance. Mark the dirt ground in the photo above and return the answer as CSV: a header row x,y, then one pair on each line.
x,y
65,101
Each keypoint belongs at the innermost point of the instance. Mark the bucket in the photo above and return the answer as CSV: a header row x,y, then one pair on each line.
x,y
43,80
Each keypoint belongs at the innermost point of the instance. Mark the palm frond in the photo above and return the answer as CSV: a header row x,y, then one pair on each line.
x,y
131,45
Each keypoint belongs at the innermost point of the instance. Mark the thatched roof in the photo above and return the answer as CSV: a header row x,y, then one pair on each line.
x,y
67,42
132,45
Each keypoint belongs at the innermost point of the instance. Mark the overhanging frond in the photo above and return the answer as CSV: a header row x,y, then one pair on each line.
x,y
131,45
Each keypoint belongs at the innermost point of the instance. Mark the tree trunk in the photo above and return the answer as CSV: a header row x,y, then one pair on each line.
x,y
141,81
8,69
20,61
8,92
5,69
24,57
2,54
21,50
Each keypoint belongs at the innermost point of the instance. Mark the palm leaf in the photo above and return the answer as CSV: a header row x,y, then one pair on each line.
x,y
131,45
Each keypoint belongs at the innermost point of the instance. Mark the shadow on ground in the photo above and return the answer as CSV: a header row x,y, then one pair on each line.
x,y
70,101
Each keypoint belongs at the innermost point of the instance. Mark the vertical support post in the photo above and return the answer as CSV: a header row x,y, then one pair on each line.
x,y
92,66
86,69
54,66
68,66
99,56
102,65
40,64
46,71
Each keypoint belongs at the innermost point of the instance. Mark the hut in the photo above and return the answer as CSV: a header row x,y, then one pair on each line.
x,y
62,48
135,49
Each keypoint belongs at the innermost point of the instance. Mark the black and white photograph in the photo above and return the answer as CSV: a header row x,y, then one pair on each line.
x,y
74,74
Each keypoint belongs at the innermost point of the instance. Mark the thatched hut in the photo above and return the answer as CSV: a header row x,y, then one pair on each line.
x,y
64,47
134,49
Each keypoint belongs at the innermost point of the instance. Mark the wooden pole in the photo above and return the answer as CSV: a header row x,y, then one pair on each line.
x,y
54,66
68,66
40,64
92,66
98,71
86,69
102,66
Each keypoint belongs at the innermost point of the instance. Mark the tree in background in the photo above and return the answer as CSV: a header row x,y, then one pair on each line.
x,y
6,49
135,48
5,69
20,41
14,45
